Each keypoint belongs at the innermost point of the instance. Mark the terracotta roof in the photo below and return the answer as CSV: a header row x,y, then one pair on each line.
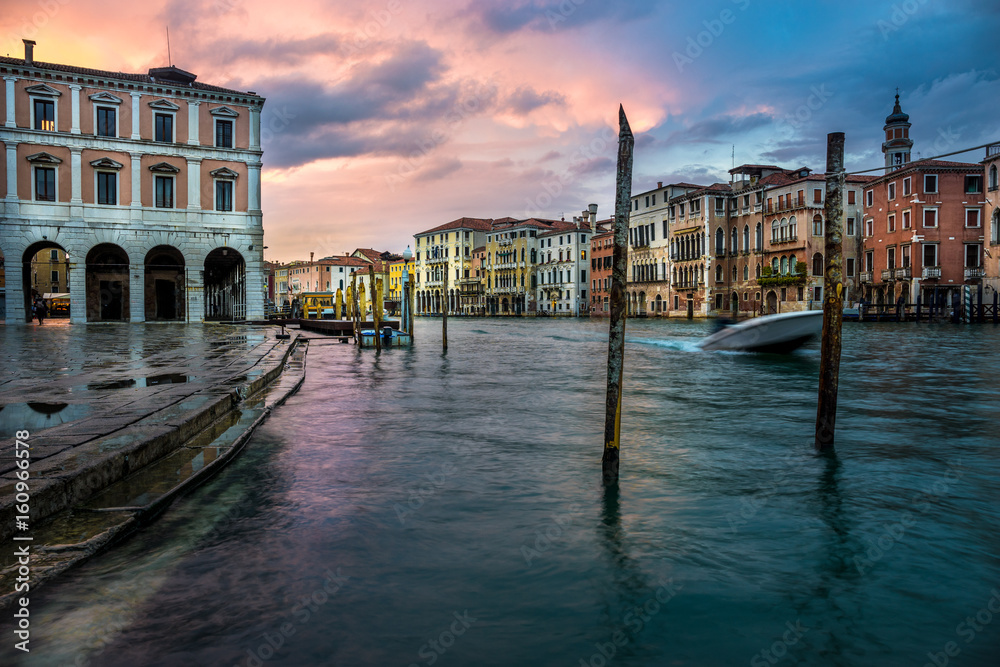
x,y
744,167
477,224
929,165
560,227
121,76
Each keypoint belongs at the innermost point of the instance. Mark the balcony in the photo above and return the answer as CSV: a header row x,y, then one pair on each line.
x,y
974,273
887,275
931,272
903,273
865,276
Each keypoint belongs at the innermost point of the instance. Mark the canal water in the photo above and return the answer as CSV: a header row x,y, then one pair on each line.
x,y
416,508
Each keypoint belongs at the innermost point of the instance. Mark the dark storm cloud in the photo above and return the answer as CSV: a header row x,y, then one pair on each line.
x,y
502,17
713,130
524,100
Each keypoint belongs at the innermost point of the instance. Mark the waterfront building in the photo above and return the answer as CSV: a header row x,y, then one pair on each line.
x,y
394,290
923,225
446,248
648,274
602,245
323,275
512,253
563,262
149,183
472,291
991,218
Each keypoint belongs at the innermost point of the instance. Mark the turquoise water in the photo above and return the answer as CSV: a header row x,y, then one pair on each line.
x,y
420,509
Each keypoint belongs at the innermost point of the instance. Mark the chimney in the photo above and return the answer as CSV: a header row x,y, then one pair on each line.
x,y
593,212
29,51
659,184
311,257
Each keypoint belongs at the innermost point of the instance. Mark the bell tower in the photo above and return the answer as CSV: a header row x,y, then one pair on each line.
x,y
897,142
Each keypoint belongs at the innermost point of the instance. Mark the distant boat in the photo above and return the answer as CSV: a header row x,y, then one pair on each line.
x,y
771,333
390,338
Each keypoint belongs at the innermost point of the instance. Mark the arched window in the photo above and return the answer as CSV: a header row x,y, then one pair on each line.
x,y
746,238
996,226
774,230
993,179
759,240
791,264
783,231
718,273
774,266
746,272
758,270
522,254
734,274
720,241
818,264
673,278
793,232
784,265
817,225
734,241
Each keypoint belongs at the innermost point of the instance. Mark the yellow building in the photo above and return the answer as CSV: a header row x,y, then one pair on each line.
x,y
49,272
394,290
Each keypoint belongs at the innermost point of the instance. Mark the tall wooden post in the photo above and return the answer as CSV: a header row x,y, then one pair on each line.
x,y
616,333
444,311
833,295
376,308
355,317
338,308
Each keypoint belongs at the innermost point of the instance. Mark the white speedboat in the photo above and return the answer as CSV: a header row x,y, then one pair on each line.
x,y
771,333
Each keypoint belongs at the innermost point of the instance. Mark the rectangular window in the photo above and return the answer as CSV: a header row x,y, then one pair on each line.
x,y
870,261
654,200
906,186
890,258
53,255
930,254
164,192
850,267
164,123
891,227
54,276
45,184
223,195
850,227
973,184
972,217
930,183
906,256
45,115
817,196
850,196
930,217
869,197
107,188
224,133
906,219
106,125
892,191
972,255
720,205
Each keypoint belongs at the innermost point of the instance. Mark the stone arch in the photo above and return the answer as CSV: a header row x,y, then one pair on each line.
x,y
33,288
107,283
225,289
164,293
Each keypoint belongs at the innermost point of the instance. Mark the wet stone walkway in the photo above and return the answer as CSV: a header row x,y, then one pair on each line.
x,y
70,385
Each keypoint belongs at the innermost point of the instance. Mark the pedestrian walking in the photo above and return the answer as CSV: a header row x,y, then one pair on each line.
x,y
41,311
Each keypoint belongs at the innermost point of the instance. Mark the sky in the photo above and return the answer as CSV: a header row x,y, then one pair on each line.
x,y
387,118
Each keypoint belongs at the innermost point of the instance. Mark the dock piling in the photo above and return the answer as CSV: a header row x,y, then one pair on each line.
x,y
444,312
376,307
616,332
833,295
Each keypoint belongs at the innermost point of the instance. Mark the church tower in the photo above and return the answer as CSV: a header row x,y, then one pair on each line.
x,y
897,142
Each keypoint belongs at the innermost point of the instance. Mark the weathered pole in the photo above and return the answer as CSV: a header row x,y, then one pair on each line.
x,y
376,307
833,293
616,332
355,317
338,308
444,312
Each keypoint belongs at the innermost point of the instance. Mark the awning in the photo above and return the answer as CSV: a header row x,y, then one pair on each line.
x,y
53,295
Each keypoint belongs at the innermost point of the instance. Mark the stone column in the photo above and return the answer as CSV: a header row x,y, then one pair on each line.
x,y
77,268
75,99
15,292
76,174
195,283
253,187
11,97
136,204
11,172
135,114
193,125
194,183
255,128
137,290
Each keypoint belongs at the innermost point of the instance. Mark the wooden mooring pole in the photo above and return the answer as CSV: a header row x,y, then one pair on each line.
x,y
833,295
376,308
616,333
444,312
